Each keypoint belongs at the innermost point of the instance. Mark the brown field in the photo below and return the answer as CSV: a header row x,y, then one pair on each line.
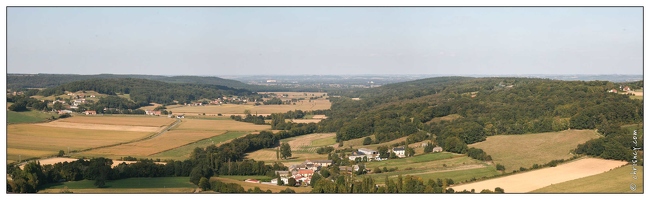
x,y
304,121
51,161
123,191
219,125
188,131
231,109
124,120
515,151
296,157
263,187
451,117
167,140
61,124
529,181
31,140
154,105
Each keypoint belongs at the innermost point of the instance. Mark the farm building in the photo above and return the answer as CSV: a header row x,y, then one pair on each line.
x,y
437,149
613,91
64,112
323,163
399,151
626,89
368,151
153,112
90,112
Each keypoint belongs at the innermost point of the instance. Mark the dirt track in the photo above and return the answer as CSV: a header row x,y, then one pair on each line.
x,y
529,181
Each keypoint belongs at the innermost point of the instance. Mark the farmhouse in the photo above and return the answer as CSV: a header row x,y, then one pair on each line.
x,y
323,163
626,89
153,112
61,112
399,151
369,154
437,149
91,112
613,91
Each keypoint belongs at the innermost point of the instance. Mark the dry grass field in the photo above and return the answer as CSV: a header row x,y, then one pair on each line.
x,y
515,151
304,121
124,191
31,140
231,109
123,120
305,141
615,181
451,117
296,157
529,181
188,131
263,187
61,124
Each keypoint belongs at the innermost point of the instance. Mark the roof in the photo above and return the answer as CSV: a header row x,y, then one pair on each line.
x,y
305,171
398,149
322,161
364,149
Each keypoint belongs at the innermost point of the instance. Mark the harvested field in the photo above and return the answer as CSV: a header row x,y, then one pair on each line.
x,y
305,141
118,162
615,181
219,125
30,140
230,109
269,155
304,121
61,124
515,151
51,161
167,140
319,117
326,141
263,187
123,120
529,181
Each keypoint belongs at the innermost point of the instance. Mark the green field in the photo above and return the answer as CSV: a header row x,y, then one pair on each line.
x,y
415,159
160,182
615,181
184,151
28,117
515,151
324,141
456,175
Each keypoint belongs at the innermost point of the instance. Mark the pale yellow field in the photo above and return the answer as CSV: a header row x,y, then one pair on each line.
x,y
188,131
167,140
31,140
154,105
515,151
263,187
269,155
228,109
61,124
124,120
319,117
219,125
304,121
529,181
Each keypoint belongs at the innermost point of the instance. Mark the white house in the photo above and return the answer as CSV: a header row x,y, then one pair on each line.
x,y
399,151
437,149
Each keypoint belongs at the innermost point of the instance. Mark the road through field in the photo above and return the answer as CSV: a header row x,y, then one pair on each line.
x,y
529,181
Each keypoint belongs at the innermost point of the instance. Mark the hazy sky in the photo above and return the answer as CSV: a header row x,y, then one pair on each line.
x,y
326,40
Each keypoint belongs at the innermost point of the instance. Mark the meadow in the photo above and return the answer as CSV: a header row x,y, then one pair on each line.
x,y
129,185
183,152
615,181
32,140
28,117
515,151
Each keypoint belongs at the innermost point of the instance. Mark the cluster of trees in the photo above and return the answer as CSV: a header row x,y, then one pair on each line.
x,y
617,144
255,119
23,102
324,150
407,184
478,154
143,91
274,101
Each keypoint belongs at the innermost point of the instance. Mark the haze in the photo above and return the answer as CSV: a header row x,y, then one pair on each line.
x,y
325,40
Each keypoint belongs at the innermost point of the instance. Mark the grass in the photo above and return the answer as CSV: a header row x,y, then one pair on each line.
x,y
28,117
515,151
264,187
219,125
184,151
456,175
125,191
269,155
32,140
129,183
615,181
324,141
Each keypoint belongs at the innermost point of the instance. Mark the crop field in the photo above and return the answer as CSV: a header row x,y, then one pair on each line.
x,y
615,181
219,125
532,180
228,109
61,124
325,141
305,142
167,140
458,174
183,152
123,120
188,131
31,140
515,151
28,116
269,155
263,187
129,185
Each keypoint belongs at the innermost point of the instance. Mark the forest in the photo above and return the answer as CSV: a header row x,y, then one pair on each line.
x,y
143,91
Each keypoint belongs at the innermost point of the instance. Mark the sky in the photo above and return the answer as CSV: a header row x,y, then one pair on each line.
x,y
217,41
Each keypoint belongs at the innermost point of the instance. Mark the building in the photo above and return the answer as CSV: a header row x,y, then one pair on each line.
x,y
399,151
369,152
437,149
153,112
323,163
90,112
613,91
61,112
626,89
